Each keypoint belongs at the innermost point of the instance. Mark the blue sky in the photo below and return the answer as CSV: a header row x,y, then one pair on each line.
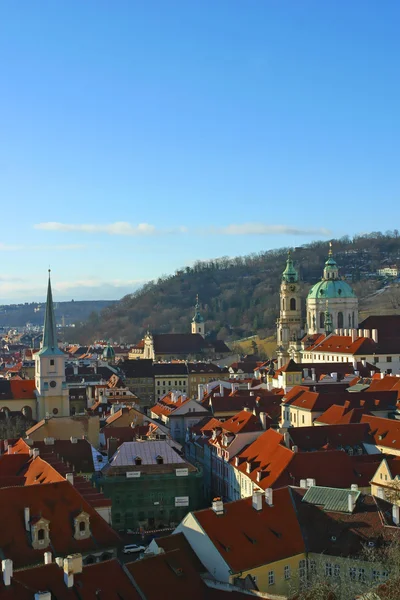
x,y
140,136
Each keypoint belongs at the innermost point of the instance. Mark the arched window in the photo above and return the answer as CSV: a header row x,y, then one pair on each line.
x,y
82,526
352,320
27,412
138,460
281,335
322,320
309,320
40,534
283,303
159,460
340,320
292,303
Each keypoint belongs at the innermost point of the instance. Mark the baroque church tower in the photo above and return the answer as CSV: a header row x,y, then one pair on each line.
x,y
289,324
51,388
198,321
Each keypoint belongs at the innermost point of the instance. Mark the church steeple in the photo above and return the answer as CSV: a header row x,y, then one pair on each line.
x,y
198,321
49,343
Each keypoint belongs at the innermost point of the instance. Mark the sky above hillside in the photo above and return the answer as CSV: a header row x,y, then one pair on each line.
x,y
140,136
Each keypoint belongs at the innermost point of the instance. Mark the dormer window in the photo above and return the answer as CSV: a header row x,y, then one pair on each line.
x,y
159,460
138,460
82,526
40,533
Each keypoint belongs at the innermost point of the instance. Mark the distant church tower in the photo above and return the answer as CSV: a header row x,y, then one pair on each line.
x,y
289,324
198,321
51,388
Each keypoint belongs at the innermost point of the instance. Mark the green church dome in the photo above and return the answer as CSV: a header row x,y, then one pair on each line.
x,y
331,288
108,352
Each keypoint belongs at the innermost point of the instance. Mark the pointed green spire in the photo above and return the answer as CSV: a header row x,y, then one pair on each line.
x,y
49,344
290,274
197,316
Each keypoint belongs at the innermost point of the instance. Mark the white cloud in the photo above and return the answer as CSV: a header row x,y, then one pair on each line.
x,y
118,228
264,229
127,229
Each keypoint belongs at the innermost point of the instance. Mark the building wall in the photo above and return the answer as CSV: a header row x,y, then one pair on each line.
x,y
281,585
149,501
19,405
166,383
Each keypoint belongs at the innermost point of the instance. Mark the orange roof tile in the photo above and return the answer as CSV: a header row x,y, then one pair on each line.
x,y
247,538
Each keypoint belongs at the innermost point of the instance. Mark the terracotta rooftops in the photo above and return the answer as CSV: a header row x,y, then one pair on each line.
x,y
385,432
247,538
59,503
301,397
243,422
334,436
17,389
341,415
102,580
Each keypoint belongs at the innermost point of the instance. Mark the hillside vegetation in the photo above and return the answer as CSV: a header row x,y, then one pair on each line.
x,y
239,296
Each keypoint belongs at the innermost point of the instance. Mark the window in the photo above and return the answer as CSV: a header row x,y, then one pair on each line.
x,y
159,460
340,320
302,568
336,570
52,362
376,575
271,577
41,535
302,418
312,565
292,303
388,359
361,574
286,571
138,460
328,569
353,573
322,320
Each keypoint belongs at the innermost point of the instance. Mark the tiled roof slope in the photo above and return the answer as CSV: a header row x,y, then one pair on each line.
x,y
59,503
247,538
17,389
385,432
334,436
341,415
106,580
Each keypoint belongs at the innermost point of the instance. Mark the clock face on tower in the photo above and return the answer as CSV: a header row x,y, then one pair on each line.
x,y
53,384
292,288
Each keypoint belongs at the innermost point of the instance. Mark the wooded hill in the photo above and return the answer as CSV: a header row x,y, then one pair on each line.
x,y
239,296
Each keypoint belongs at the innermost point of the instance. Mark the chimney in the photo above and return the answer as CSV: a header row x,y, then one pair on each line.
x,y
269,496
305,373
313,375
249,385
48,558
311,482
7,568
357,373
251,393
286,438
263,420
334,376
112,446
72,566
73,440
396,514
353,335
221,389
35,452
28,441
59,561
68,574
372,373
42,596
366,333
218,506
27,517
257,500
70,477
303,483
374,335
49,441
351,502
364,363
354,487
360,332
295,448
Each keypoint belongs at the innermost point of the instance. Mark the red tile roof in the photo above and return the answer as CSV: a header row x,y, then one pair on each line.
x,y
247,538
58,503
336,436
243,422
341,415
106,580
385,432
165,406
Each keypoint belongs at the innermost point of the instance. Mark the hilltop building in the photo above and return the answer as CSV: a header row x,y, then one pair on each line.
x,y
331,305
172,346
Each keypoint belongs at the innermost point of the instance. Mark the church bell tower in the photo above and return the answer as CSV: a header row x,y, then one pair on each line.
x,y
289,324
198,321
51,388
